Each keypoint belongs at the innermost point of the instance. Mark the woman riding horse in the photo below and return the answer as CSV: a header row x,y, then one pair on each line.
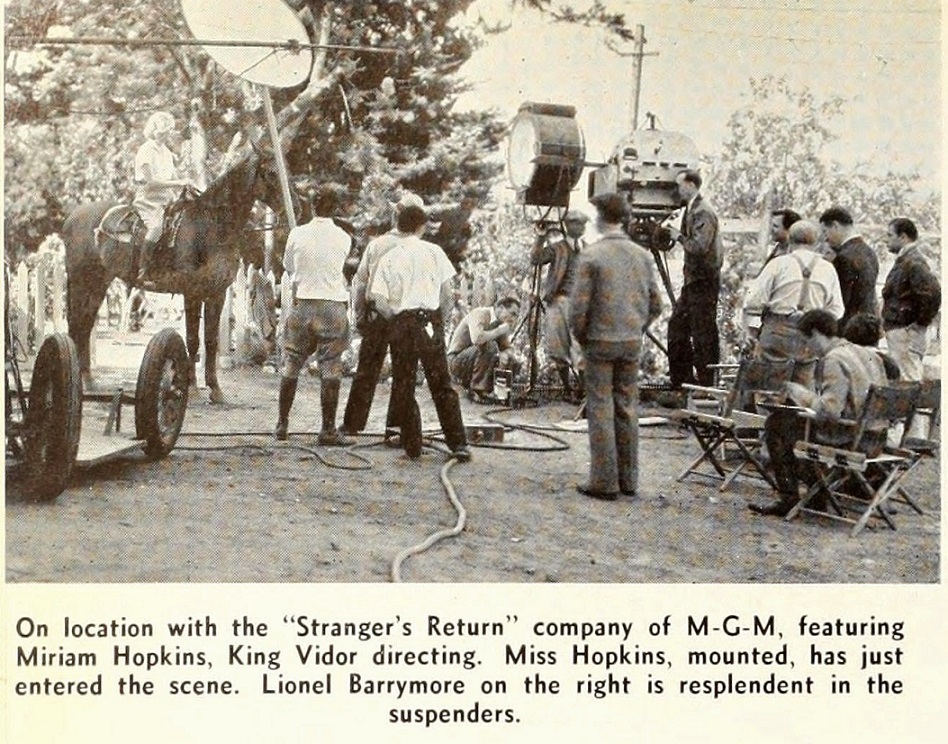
x,y
201,265
156,185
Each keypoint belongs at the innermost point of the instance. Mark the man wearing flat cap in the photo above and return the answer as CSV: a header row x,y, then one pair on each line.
x,y
562,253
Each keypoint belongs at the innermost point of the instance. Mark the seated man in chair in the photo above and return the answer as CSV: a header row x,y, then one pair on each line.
x,y
844,374
480,344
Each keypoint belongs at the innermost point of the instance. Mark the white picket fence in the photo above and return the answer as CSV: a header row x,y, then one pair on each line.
x,y
38,308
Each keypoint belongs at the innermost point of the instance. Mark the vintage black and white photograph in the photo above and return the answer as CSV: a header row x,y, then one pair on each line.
x,y
506,291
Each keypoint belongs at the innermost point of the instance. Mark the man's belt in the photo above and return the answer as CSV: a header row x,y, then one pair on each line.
x,y
422,314
792,316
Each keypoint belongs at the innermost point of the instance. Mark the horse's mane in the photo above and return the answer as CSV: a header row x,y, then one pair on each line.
x,y
235,183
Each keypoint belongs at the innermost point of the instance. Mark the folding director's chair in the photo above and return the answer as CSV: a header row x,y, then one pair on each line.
x,y
853,466
736,421
927,411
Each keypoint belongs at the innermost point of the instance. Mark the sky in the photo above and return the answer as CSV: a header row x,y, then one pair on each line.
x,y
884,58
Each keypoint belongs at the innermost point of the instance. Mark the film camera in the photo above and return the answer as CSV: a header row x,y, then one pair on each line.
x,y
644,166
546,156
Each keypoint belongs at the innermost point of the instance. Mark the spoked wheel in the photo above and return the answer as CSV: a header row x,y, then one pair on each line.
x,y
53,418
161,397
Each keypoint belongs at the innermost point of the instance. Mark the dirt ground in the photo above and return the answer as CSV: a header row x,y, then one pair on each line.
x,y
240,509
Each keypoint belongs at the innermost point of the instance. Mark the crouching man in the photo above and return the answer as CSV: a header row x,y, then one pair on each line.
x,y
482,343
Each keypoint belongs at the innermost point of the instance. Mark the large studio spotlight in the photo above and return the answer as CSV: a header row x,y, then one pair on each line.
x,y
545,154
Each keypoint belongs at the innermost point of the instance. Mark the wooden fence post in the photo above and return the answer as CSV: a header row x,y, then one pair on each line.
x,y
22,294
239,305
268,241
39,298
59,285
225,354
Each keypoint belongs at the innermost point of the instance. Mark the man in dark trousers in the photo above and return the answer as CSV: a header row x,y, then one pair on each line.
x,y
855,262
910,299
412,290
844,375
693,328
373,329
614,300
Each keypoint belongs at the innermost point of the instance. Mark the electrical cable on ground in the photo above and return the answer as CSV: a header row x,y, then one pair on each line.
x,y
432,436
440,534
367,464
448,486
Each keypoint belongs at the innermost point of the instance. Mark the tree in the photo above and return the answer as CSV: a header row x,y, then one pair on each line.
x,y
776,143
368,123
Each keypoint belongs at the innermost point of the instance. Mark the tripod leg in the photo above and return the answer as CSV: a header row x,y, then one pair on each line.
x,y
663,273
534,315
654,339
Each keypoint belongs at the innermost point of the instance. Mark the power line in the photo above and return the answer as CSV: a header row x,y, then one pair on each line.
x,y
290,45
801,39
816,9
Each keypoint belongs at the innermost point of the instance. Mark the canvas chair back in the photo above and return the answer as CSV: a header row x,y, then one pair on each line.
x,y
757,375
885,406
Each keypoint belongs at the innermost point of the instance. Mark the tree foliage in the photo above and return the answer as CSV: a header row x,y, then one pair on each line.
x,y
385,121
777,143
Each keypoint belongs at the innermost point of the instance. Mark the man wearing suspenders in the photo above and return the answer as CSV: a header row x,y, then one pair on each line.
x,y
787,287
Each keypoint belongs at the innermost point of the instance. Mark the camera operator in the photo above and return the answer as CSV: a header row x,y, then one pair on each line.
x,y
562,253
692,329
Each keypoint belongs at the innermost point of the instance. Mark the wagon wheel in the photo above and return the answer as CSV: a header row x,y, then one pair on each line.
x,y
53,418
161,397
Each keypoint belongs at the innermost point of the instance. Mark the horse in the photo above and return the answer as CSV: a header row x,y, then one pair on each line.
x,y
200,265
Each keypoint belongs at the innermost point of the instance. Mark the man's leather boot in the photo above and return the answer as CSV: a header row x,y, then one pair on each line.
x,y
145,261
780,508
287,394
329,436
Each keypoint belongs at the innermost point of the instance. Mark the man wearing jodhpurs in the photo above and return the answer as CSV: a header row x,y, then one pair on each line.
x,y
373,329
412,290
317,323
693,330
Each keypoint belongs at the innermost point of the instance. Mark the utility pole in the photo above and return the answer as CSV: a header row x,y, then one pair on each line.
x,y
637,56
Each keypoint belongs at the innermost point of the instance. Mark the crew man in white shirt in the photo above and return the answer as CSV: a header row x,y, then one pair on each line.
x,y
314,259
787,287
412,289
373,328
